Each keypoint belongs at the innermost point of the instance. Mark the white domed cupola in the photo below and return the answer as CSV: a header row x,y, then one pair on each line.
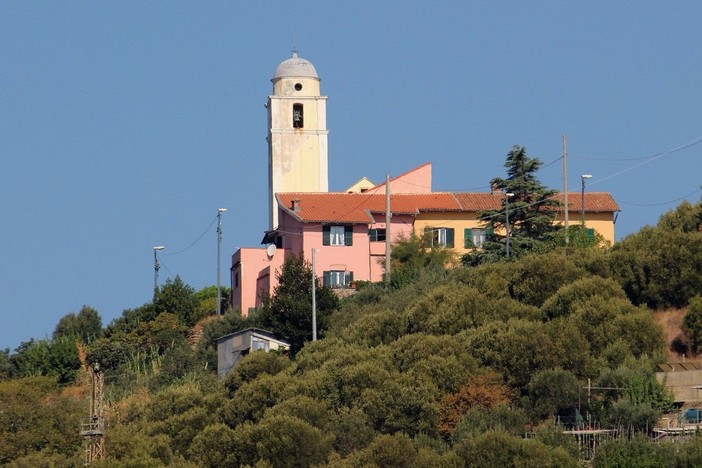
x,y
296,77
295,67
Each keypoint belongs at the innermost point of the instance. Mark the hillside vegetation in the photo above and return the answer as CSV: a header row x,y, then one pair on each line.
x,y
446,367
478,361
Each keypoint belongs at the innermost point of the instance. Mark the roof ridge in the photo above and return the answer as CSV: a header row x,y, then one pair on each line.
x,y
428,163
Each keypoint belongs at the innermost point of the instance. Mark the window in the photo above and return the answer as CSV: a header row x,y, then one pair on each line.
x,y
376,235
475,238
337,278
337,235
258,343
278,241
298,118
439,237
236,280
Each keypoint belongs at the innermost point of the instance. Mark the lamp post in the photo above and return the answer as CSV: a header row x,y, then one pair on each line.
x,y
157,266
582,197
219,248
314,298
507,195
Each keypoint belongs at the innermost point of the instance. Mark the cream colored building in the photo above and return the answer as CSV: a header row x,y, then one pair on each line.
x,y
360,186
461,229
297,133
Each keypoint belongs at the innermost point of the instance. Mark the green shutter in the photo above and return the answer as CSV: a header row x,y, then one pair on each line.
x,y
349,277
590,233
326,278
348,235
326,237
428,239
449,237
467,238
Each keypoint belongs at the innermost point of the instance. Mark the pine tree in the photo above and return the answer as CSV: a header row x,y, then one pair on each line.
x,y
532,210
289,311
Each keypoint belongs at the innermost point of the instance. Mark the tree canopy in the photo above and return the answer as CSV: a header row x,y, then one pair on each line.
x,y
528,205
447,366
288,312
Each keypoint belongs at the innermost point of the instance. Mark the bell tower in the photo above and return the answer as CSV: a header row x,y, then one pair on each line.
x,y
297,133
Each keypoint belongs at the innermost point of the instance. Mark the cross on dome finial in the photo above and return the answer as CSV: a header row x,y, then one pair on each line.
x,y
294,49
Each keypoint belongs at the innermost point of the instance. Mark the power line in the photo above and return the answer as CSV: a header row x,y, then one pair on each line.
x,y
166,267
684,197
689,144
552,162
195,241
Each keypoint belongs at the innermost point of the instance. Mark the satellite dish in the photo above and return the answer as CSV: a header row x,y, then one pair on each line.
x,y
270,250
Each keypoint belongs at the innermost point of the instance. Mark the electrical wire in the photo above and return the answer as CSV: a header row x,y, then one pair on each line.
x,y
684,197
689,144
166,267
552,162
195,241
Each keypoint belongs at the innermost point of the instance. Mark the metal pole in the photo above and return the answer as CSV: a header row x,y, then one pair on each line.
x,y
507,195
582,197
582,203
157,266
507,224
219,248
388,217
565,187
314,299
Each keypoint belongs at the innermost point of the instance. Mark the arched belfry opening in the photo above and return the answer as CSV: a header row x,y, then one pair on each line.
x,y
298,116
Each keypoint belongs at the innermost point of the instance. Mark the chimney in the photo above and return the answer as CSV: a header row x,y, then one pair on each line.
x,y
296,204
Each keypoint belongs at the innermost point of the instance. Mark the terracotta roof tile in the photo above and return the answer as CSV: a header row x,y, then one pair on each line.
x,y
479,201
357,207
595,202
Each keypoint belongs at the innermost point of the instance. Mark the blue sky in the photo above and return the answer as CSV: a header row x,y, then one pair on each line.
x,y
125,125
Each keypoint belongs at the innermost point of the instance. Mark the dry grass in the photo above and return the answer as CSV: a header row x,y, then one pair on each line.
x,y
671,323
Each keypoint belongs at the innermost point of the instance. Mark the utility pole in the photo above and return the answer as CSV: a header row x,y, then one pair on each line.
x,y
93,427
583,178
507,195
157,266
388,217
314,298
219,248
565,186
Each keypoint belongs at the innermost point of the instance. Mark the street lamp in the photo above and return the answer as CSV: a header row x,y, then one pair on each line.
x,y
219,248
582,198
314,298
507,195
157,266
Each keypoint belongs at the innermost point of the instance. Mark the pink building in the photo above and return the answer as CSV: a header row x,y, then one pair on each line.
x,y
346,230
358,256
417,180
